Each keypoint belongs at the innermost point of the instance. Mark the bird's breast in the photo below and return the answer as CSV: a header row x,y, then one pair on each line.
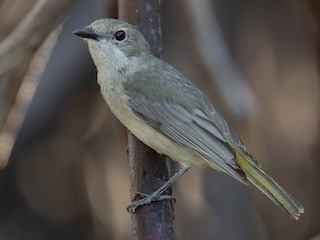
x,y
114,94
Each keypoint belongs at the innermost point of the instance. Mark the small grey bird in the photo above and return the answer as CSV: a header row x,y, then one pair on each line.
x,y
168,113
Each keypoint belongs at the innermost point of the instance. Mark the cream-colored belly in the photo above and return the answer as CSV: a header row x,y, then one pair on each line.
x,y
150,136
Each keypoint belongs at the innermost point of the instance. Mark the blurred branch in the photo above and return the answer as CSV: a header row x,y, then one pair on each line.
x,y
312,10
312,13
24,96
14,40
217,58
16,52
148,169
30,33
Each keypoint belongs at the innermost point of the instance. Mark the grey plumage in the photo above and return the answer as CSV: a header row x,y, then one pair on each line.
x,y
168,113
196,125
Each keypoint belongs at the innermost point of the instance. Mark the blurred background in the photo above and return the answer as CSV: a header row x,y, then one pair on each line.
x,y
67,174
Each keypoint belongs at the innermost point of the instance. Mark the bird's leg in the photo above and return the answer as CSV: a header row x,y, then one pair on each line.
x,y
156,195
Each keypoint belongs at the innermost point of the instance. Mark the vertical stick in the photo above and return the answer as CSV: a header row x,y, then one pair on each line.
x,y
148,170
312,13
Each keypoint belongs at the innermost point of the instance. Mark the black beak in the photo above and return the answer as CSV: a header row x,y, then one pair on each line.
x,y
86,33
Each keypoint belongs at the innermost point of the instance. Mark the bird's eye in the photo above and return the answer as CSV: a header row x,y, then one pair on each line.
x,y
120,35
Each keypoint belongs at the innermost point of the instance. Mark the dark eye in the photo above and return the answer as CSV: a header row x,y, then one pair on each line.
x,y
120,35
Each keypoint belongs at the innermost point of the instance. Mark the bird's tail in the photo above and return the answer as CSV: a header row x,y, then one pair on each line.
x,y
268,186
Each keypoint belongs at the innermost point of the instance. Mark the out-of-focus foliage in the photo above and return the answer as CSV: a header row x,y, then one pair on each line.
x,y
68,178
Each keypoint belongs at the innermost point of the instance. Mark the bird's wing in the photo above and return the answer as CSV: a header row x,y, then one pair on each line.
x,y
170,103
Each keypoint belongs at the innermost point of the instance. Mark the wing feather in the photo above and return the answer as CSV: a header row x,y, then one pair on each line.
x,y
180,111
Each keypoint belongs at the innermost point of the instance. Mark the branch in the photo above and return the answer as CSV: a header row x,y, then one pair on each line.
x,y
217,58
148,169
17,51
312,12
33,29
24,96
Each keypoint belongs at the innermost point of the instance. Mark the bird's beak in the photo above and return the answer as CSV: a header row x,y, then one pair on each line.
x,y
86,33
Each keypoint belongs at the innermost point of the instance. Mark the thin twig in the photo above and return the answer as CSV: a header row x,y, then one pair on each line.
x,y
312,12
218,60
24,96
33,29
17,51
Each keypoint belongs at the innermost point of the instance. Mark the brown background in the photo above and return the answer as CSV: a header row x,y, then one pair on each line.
x,y
67,177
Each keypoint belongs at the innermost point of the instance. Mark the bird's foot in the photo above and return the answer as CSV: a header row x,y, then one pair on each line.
x,y
156,196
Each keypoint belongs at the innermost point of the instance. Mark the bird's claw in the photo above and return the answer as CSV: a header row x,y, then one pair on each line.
x,y
148,199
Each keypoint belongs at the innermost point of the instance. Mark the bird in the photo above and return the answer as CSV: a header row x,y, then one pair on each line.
x,y
167,112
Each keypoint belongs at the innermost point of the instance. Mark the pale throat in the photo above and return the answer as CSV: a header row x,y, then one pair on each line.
x,y
106,54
